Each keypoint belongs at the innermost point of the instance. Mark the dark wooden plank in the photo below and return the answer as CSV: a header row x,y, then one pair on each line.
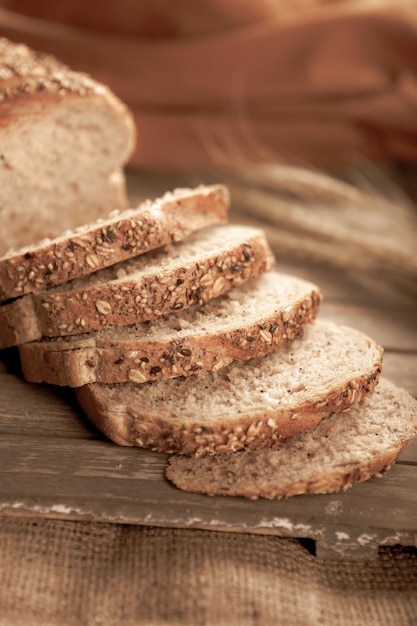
x,y
43,410
97,480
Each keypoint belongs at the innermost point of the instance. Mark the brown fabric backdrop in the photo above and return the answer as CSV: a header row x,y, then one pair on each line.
x,y
327,83
73,573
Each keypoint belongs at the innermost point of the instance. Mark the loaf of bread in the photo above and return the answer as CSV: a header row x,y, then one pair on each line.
x,y
106,242
171,324
64,140
172,278
249,404
248,321
342,450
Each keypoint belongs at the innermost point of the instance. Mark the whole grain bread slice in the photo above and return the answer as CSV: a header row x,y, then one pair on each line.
x,y
248,321
172,278
250,404
343,449
105,242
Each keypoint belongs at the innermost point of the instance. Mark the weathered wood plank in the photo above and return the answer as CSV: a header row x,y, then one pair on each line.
x,y
97,480
43,410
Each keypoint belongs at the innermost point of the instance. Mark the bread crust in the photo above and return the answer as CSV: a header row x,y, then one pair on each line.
x,y
31,81
131,299
18,323
106,242
107,361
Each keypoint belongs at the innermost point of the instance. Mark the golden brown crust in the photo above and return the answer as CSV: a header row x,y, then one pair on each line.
x,y
115,427
150,360
28,78
110,241
266,430
129,300
126,301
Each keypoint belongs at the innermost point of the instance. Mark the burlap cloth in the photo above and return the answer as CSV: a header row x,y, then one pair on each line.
x,y
63,572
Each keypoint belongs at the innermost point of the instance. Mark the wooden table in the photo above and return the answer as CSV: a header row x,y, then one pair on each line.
x,y
54,463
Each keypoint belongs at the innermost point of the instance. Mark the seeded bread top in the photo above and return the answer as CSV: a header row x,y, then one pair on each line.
x,y
25,73
248,321
171,278
108,241
273,293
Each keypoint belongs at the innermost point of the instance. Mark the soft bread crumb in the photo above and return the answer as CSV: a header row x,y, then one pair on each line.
x,y
64,140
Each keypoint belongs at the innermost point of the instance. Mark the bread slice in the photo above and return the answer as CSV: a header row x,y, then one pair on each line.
x,y
174,277
105,242
250,404
248,321
64,140
343,449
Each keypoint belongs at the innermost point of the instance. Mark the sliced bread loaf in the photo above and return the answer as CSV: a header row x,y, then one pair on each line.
x,y
248,321
64,140
342,450
174,277
121,236
250,404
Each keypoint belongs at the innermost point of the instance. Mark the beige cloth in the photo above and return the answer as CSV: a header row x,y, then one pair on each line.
x,y
75,573
322,82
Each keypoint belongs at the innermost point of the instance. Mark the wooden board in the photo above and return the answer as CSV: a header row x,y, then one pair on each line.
x,y
54,463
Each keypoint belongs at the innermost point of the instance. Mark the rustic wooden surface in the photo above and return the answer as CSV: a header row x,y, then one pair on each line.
x,y
54,463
